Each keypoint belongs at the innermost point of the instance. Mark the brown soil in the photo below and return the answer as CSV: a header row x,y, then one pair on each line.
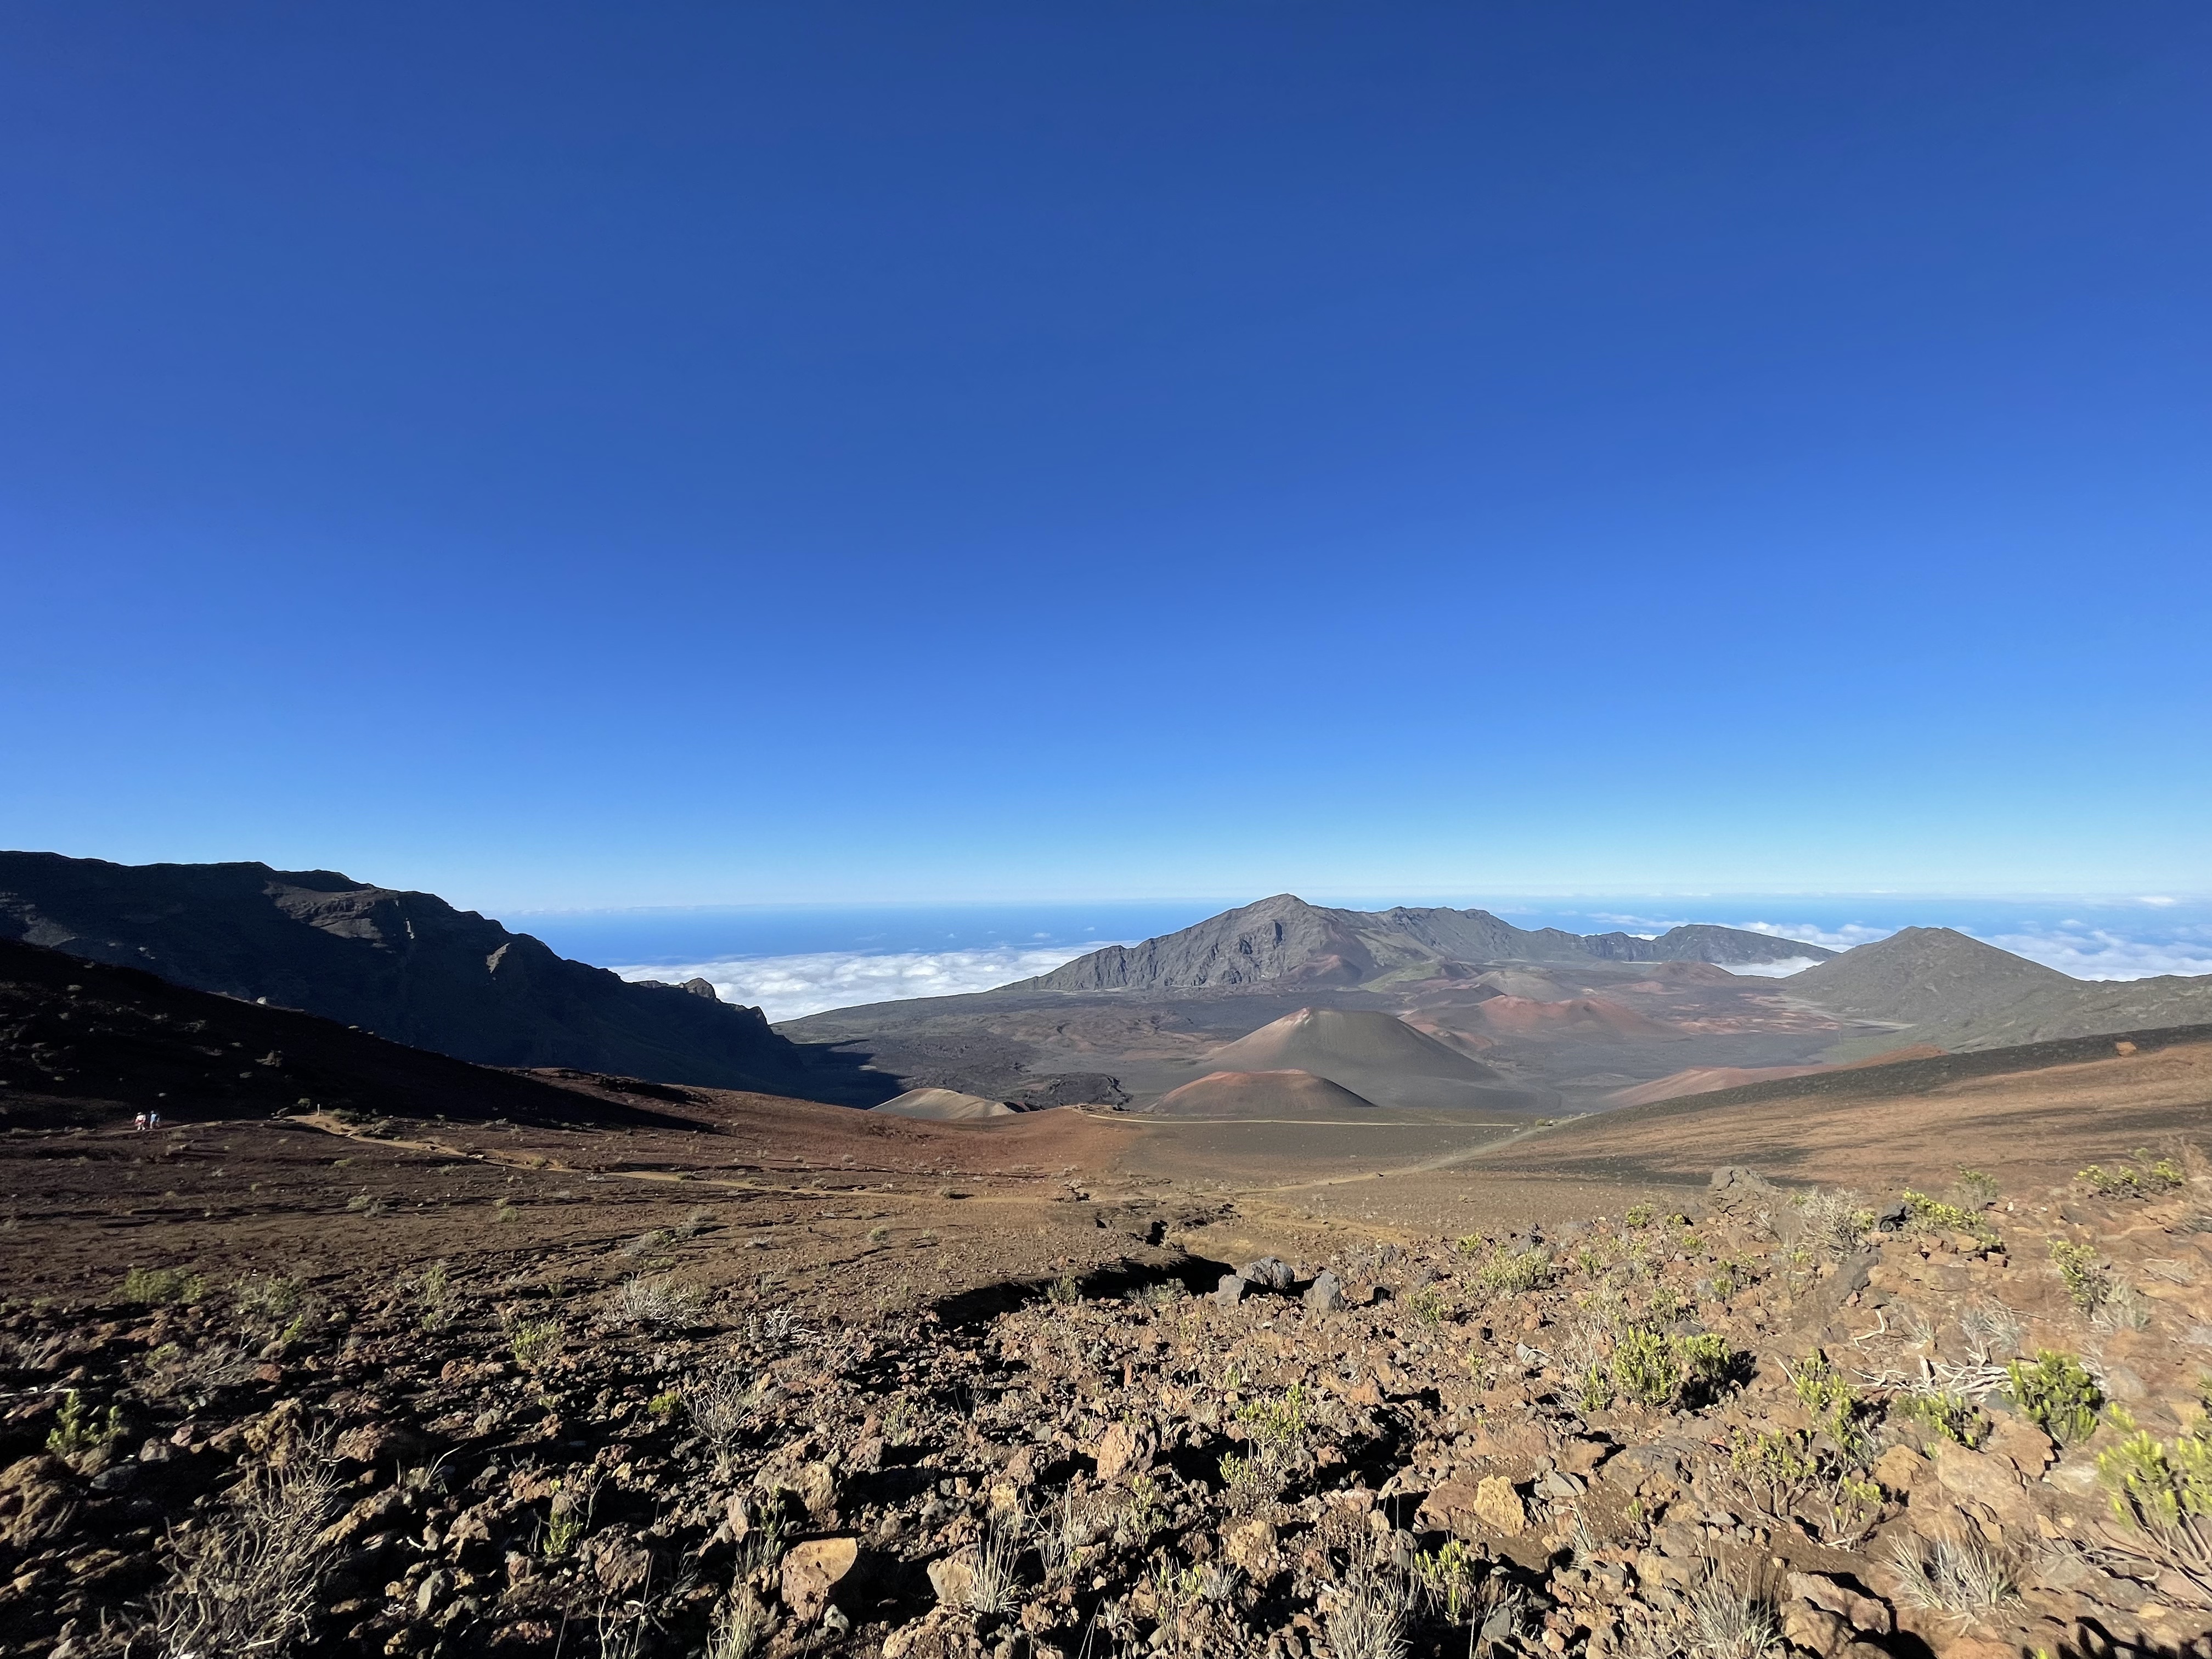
x,y
879,1271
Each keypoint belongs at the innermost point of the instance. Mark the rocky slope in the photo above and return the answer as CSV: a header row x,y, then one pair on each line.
x,y
1940,987
1762,1424
1284,939
407,966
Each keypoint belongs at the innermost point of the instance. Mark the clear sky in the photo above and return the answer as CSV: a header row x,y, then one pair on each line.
x,y
667,453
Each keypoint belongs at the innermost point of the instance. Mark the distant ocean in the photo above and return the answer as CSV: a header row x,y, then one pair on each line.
x,y
795,960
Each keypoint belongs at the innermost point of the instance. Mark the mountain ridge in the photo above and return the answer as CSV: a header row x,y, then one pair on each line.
x,y
1282,939
1937,985
407,966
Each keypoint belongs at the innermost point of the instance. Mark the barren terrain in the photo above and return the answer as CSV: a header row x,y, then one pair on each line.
x,y
610,1369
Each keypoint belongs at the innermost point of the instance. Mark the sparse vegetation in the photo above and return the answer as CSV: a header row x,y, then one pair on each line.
x,y
1514,1272
1992,1331
78,1428
1727,1624
2056,1395
2087,1282
1960,1579
535,1343
2163,1492
1931,1214
666,1300
1976,1190
2146,1177
153,1287
247,1579
1946,1414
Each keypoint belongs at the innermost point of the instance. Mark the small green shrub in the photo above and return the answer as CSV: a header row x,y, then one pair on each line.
x,y
1512,1273
268,1303
1596,1389
78,1428
2149,1178
1644,1369
1834,1404
2164,1492
1640,1215
154,1286
1445,1579
535,1343
1658,1371
665,1405
1277,1427
1779,1467
2087,1283
1948,1414
1977,1188
1933,1215
2056,1395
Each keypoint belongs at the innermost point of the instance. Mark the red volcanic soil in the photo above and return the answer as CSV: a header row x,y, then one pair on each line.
x,y
1704,1080
1591,1018
1701,1080
1291,1093
1465,1042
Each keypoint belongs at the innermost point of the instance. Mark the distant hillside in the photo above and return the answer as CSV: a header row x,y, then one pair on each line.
x,y
1956,993
407,966
1377,1056
1249,1095
1284,941
944,1106
2042,1110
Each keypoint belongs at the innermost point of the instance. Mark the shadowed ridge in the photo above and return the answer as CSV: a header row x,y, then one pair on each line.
x,y
406,965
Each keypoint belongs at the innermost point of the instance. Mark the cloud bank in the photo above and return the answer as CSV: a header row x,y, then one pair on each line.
x,y
2088,952
787,987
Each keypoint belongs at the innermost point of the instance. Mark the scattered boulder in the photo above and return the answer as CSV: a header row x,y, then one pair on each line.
x,y
1734,1188
953,1579
1325,1294
1250,1545
1123,1448
1269,1272
813,1571
1498,1507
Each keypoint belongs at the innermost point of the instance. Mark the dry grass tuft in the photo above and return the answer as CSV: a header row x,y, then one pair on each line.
x,y
247,1581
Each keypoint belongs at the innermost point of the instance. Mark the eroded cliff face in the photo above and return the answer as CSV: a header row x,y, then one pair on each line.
x,y
404,965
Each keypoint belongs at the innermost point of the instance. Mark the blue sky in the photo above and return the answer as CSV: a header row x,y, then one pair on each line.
x,y
568,455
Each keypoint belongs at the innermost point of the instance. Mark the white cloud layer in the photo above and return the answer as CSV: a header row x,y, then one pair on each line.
x,y
787,987
2094,953
1832,939
1773,969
